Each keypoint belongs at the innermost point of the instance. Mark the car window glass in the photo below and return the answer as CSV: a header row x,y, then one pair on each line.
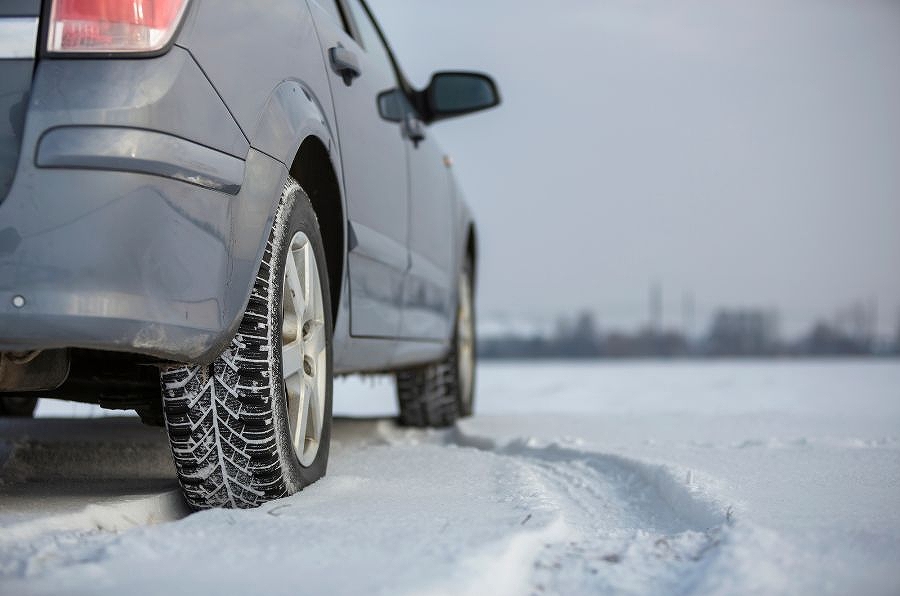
x,y
393,105
331,8
371,41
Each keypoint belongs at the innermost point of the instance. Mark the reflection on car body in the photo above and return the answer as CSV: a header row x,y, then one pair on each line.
x,y
233,203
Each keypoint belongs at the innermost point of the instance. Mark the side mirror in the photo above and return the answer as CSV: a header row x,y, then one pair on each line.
x,y
453,94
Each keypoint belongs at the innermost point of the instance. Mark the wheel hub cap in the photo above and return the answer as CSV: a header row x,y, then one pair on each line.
x,y
303,353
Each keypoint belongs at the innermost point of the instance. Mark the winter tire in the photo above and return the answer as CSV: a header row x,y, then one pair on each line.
x,y
255,425
438,394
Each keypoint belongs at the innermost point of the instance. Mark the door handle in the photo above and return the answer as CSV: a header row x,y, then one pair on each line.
x,y
413,129
345,63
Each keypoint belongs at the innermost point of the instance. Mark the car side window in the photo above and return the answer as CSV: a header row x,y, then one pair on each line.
x,y
371,41
332,8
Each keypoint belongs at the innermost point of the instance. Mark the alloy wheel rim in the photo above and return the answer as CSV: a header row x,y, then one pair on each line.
x,y
303,348
465,340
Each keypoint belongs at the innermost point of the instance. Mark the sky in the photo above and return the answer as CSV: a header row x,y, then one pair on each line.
x,y
745,153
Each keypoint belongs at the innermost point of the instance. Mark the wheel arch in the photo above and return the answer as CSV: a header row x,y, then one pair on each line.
x,y
313,170
294,129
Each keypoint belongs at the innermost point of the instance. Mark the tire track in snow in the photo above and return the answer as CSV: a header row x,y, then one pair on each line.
x,y
410,511
64,483
628,526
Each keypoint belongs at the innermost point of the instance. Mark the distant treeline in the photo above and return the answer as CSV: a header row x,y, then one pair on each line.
x,y
733,333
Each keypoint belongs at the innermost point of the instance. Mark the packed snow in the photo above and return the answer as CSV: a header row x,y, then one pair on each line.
x,y
778,477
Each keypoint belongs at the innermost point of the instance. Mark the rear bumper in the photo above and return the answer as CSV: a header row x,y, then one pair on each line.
x,y
130,262
137,216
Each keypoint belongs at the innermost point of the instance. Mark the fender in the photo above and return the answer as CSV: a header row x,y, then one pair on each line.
x,y
465,223
291,114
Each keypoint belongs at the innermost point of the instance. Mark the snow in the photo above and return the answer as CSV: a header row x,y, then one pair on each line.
x,y
501,325
616,477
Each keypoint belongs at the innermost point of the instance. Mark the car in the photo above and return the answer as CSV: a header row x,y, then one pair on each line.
x,y
210,208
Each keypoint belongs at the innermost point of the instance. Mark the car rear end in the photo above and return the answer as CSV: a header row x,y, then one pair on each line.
x,y
131,204
18,41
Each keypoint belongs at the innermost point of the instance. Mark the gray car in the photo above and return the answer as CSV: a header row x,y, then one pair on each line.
x,y
209,208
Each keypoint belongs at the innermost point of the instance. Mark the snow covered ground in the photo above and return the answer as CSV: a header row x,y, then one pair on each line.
x,y
632,478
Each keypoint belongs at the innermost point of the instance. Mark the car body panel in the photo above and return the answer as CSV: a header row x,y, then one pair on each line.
x,y
373,152
247,52
141,264
145,188
167,94
123,260
141,151
291,114
15,84
430,284
18,43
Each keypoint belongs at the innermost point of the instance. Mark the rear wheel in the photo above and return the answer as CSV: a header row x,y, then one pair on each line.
x,y
438,394
255,425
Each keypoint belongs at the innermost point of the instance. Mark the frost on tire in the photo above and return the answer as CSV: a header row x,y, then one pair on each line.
x,y
220,420
227,421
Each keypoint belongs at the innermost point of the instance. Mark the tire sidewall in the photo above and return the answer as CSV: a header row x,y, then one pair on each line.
x,y
295,213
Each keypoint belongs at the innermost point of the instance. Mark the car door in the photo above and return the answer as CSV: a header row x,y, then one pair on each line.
x,y
429,286
373,155
428,293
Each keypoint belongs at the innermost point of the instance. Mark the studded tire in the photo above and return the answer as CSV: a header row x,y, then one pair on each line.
x,y
438,394
228,422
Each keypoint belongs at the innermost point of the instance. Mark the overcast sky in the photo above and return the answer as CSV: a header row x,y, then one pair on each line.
x,y
746,152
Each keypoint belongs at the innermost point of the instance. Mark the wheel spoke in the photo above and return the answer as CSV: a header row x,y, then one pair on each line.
x,y
291,359
293,389
312,288
299,437
294,286
314,342
313,423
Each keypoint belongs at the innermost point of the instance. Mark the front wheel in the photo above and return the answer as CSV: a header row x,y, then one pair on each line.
x,y
438,394
256,424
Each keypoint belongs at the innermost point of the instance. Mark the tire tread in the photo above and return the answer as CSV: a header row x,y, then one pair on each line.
x,y
219,417
429,395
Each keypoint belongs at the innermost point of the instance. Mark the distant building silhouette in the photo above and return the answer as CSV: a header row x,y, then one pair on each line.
x,y
688,310
743,332
897,339
665,344
828,340
857,322
733,332
579,339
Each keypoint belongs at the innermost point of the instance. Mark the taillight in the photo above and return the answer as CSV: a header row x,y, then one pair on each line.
x,y
113,25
